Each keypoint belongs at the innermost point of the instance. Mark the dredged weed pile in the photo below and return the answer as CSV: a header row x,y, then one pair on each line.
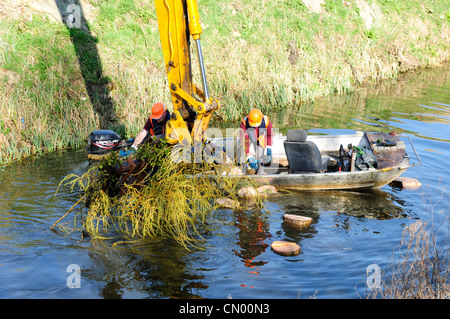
x,y
168,200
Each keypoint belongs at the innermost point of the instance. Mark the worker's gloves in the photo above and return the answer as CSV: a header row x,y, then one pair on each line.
x,y
126,153
252,162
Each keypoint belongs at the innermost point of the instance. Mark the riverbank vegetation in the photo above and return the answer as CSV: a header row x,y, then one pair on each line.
x,y
59,83
420,268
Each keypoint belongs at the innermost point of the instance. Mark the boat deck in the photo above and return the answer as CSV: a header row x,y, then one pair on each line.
x,y
391,162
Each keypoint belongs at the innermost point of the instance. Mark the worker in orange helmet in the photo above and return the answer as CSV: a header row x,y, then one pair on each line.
x,y
155,125
256,133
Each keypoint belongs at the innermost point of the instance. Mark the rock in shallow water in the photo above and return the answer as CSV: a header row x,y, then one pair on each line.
x,y
227,202
249,191
285,248
297,220
406,182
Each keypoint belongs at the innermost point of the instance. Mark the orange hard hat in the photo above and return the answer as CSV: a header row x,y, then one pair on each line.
x,y
158,110
255,117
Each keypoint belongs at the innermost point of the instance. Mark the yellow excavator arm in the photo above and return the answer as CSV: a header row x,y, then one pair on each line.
x,y
178,21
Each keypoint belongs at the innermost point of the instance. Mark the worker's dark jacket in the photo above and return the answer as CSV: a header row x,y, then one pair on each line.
x,y
156,128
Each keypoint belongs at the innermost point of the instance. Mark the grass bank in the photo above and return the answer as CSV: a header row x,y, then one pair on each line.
x,y
57,84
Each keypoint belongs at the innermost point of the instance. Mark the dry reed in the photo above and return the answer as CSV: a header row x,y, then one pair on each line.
x,y
420,269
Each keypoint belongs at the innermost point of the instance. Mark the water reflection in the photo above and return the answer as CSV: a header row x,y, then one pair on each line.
x,y
158,268
253,230
350,230
384,107
371,205
154,268
343,205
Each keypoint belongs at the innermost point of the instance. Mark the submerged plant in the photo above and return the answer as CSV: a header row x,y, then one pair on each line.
x,y
151,195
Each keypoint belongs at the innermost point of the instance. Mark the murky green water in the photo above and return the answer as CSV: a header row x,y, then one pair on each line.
x,y
350,230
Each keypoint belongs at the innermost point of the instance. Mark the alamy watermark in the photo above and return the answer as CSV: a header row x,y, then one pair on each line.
x,y
74,279
231,143
73,18
373,272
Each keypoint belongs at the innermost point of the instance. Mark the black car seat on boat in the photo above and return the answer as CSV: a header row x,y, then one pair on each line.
x,y
302,155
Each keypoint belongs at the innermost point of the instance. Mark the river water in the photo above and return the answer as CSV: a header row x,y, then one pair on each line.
x,y
350,230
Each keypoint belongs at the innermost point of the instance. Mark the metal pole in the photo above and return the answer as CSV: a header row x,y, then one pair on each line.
x,y
202,69
417,155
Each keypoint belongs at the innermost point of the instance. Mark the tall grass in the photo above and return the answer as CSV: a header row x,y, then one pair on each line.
x,y
279,54
267,54
420,268
47,108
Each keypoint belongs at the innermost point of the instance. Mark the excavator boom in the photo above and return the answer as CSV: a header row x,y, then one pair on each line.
x,y
178,22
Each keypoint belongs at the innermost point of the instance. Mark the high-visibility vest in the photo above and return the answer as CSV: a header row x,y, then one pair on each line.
x,y
261,129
